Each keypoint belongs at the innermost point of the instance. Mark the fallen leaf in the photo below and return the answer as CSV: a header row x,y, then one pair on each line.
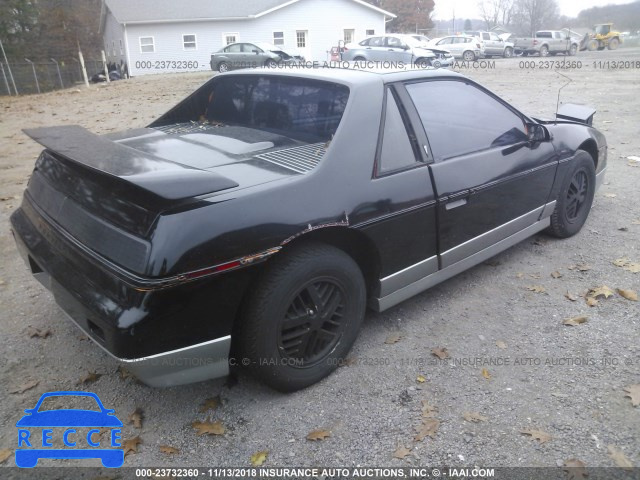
x,y
421,379
575,469
602,291
25,386
124,373
391,339
556,274
136,417
401,452
90,378
632,267
428,428
575,321
4,454
592,302
539,435
628,294
501,344
208,428
474,417
37,332
131,445
520,275
623,229
259,458
318,435
428,411
486,374
619,457
610,195
169,450
570,296
210,404
635,222
537,289
581,267
535,275
633,392
440,352
620,262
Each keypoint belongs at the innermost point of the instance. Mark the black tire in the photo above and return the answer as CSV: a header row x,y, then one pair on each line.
x,y
468,56
544,51
613,43
593,45
422,63
311,289
508,52
359,59
270,64
223,67
573,50
575,198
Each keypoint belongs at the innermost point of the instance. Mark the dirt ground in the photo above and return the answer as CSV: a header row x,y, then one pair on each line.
x,y
567,382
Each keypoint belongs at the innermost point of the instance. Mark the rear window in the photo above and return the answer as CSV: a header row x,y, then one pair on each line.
x,y
308,110
543,34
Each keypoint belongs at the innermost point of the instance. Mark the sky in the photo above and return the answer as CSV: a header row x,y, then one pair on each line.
x,y
469,8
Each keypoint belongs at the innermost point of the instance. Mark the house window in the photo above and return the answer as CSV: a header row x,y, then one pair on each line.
x,y
301,39
278,38
348,35
121,48
229,38
189,42
371,32
147,45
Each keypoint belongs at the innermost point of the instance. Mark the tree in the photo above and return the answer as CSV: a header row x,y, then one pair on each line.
x,y
532,15
467,25
18,19
412,15
496,12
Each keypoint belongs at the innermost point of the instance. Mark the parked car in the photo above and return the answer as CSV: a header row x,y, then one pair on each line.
x,y
389,48
259,217
251,55
546,42
465,47
422,39
492,44
442,58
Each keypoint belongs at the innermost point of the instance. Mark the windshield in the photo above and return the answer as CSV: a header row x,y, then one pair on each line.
x,y
301,108
412,42
602,29
267,47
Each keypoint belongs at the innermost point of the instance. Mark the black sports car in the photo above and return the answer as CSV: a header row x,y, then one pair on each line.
x,y
254,222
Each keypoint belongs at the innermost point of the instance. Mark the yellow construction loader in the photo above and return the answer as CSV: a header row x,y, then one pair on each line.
x,y
603,37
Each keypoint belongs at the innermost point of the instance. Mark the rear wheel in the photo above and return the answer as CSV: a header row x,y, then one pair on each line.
x,y
593,45
223,67
303,317
359,59
468,56
613,43
575,198
544,51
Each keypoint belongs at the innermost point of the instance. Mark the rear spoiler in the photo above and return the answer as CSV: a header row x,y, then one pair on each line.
x,y
166,179
576,113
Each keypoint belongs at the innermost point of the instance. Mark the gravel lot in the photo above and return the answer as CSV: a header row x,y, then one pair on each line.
x,y
565,381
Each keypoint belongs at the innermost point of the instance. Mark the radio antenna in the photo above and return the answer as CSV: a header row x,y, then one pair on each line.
x,y
559,90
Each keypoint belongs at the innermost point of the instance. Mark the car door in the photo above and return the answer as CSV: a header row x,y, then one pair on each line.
x,y
559,42
490,181
252,55
397,50
446,44
375,49
234,54
497,44
489,45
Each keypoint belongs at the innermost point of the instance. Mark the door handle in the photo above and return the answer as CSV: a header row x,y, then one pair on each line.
x,y
455,204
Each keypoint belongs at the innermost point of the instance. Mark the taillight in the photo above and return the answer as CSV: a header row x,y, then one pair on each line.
x,y
535,42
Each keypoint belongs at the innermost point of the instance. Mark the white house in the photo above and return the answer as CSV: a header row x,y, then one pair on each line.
x,y
160,36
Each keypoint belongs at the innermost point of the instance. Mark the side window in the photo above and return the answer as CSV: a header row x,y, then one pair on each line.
x,y
365,42
376,42
397,151
235,48
485,36
460,118
495,37
394,42
444,41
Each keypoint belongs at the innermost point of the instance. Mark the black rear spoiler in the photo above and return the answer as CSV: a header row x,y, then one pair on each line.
x,y
576,113
166,179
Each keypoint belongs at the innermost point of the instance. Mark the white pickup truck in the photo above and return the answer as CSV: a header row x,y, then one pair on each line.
x,y
545,43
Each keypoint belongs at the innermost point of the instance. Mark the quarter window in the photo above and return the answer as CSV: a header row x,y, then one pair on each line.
x,y
147,45
459,118
396,152
189,42
278,38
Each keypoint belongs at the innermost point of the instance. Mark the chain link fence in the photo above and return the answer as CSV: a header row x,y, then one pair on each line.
x,y
40,77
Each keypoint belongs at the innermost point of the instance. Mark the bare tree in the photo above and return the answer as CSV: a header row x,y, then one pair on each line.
x,y
532,15
496,12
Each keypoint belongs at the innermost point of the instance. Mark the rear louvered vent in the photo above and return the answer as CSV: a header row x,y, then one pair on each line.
x,y
190,127
299,159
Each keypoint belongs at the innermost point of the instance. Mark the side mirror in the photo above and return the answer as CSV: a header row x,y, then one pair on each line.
x,y
537,133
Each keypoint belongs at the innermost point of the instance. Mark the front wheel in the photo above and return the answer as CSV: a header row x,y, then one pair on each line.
x,y
573,50
422,63
575,198
302,317
223,67
270,64
508,52
613,43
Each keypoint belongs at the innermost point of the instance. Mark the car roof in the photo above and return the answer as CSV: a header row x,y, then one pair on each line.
x,y
352,76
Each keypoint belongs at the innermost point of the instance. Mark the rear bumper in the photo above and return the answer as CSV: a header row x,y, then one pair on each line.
x,y
166,337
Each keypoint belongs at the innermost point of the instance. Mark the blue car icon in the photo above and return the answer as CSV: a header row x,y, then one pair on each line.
x,y
69,420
